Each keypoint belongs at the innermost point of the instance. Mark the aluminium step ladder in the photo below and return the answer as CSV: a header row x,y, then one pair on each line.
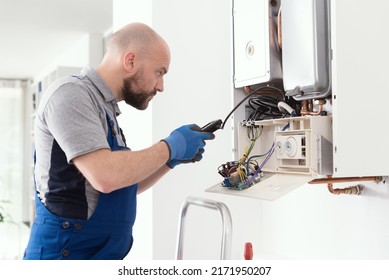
x,y
226,224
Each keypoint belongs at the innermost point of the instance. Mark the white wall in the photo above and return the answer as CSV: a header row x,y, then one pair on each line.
x,y
312,223
87,50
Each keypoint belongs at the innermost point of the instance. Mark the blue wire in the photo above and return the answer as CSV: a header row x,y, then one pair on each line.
x,y
269,153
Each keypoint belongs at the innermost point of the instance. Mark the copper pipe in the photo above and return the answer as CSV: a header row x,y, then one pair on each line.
x,y
248,90
356,190
307,107
318,112
331,180
279,31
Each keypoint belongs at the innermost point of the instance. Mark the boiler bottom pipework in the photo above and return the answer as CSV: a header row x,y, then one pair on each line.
x,y
357,189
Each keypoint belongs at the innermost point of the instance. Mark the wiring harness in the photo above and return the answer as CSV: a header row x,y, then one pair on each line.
x,y
269,103
263,107
247,171
265,102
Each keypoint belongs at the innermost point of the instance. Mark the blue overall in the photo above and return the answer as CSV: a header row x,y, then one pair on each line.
x,y
106,235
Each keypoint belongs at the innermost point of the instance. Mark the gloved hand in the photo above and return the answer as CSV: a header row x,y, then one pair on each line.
x,y
174,162
185,143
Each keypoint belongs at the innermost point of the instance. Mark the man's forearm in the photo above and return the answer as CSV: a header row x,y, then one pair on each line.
x,y
153,179
111,170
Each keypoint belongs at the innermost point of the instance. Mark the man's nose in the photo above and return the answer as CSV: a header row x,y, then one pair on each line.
x,y
160,85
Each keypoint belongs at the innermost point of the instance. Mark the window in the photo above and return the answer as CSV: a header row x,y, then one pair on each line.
x,y
11,169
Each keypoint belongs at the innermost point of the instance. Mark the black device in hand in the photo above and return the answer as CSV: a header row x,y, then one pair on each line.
x,y
212,126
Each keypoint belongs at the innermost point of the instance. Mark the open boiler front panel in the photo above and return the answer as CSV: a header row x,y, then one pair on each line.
x,y
290,129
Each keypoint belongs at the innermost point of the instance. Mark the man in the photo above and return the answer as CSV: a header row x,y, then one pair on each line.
x,y
85,176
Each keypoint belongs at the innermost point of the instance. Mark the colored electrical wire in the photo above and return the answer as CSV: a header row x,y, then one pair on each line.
x,y
257,156
272,148
269,153
243,167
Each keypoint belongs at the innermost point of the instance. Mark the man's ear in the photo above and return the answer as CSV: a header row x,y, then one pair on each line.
x,y
129,62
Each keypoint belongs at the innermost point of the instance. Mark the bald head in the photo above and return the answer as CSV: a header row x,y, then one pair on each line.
x,y
136,37
134,64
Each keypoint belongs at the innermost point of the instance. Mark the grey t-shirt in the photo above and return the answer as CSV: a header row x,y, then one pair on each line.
x,y
71,121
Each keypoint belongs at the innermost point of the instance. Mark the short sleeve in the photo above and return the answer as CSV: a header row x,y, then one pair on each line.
x,y
75,120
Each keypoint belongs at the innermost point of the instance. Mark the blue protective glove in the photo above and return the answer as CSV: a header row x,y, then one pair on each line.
x,y
186,144
174,162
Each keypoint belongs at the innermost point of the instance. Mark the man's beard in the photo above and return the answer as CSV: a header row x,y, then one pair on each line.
x,y
136,97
